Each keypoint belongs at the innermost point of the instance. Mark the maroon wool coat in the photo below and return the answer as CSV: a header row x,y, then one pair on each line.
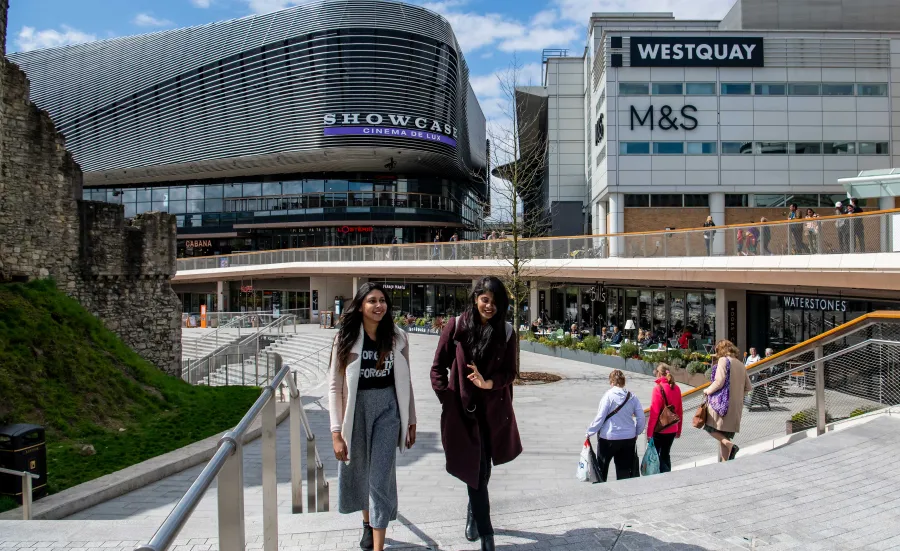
x,y
459,429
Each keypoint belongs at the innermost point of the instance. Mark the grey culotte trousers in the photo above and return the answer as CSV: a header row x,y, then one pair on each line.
x,y
369,481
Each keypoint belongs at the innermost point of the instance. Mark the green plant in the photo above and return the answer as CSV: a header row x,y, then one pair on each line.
x,y
806,419
629,350
7,504
527,336
592,344
438,323
862,410
549,343
568,342
400,320
675,354
610,351
698,368
655,358
421,322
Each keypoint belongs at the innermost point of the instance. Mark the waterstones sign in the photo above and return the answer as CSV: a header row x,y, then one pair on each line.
x,y
814,303
699,51
390,125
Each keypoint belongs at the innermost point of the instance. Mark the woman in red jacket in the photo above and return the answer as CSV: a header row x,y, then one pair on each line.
x,y
665,393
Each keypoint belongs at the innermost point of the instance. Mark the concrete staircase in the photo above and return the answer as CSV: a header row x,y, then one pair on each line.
x,y
196,344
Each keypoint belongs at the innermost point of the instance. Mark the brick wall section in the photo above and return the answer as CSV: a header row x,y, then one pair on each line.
x,y
654,219
118,269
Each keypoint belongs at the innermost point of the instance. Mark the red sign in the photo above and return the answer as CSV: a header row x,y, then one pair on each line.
x,y
355,229
247,288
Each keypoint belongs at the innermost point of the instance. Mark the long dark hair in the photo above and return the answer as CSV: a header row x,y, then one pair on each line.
x,y
479,336
351,325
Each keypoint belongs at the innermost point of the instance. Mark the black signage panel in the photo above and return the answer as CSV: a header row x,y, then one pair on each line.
x,y
733,321
696,51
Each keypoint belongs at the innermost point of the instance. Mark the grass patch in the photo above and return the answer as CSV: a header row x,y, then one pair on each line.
x,y
61,368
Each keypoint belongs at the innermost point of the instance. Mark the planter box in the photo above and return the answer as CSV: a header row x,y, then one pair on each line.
x,y
682,376
639,366
421,330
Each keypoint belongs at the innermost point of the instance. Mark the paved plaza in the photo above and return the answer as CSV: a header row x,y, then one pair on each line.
x,y
836,492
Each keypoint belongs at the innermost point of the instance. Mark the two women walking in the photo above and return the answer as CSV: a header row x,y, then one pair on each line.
x,y
372,407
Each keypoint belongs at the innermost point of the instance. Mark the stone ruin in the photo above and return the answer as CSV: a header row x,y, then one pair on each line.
x,y
119,269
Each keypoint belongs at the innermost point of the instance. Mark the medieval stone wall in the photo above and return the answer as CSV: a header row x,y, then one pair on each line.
x,y
119,269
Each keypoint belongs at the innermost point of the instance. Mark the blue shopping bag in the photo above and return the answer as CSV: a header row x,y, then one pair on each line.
x,y
650,462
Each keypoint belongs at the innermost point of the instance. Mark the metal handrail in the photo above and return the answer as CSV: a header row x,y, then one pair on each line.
x,y
275,324
226,465
26,489
215,334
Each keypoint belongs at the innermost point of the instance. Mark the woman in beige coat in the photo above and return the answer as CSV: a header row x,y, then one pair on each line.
x,y
724,427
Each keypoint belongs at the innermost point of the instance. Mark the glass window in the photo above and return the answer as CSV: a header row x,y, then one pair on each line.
x,y
696,200
737,148
314,186
360,186
803,201
826,200
177,207
771,148
872,89
143,195
634,148
195,205
161,194
292,188
736,89
634,89
253,190
668,89
130,210
637,200
213,191
702,148
804,89
737,200
676,314
837,89
271,188
646,303
213,205
839,148
668,148
193,192
873,148
806,148
233,190
143,207
768,201
178,193
128,195
701,88
709,315
769,89
666,200
695,313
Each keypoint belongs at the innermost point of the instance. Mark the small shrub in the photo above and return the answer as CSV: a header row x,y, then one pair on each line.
x,y
568,342
421,322
862,410
806,419
610,351
438,323
592,344
629,350
698,368
549,343
655,358
675,354
527,336
400,321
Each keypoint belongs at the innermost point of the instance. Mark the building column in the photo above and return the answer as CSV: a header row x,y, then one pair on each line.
x,y
717,211
731,317
890,226
221,301
600,227
616,221
533,305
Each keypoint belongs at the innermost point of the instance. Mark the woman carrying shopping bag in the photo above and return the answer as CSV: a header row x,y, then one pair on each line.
x,y
619,421
472,374
372,409
725,398
666,414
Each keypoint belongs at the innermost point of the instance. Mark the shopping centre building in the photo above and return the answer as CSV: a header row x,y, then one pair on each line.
x,y
339,122
663,122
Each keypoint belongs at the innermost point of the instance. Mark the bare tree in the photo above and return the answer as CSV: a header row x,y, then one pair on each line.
x,y
518,153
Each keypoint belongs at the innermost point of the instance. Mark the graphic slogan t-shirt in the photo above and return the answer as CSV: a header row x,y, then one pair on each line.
x,y
371,375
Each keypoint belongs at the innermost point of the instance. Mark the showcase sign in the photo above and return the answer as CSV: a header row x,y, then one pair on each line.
x,y
698,51
391,125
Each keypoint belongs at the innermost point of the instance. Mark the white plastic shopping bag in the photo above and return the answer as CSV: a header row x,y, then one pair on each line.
x,y
587,464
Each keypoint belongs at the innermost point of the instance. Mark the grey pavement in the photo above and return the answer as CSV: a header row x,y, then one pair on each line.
x,y
552,419
836,492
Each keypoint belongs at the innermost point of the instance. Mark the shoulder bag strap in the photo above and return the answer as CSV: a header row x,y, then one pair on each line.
x,y
615,411
665,400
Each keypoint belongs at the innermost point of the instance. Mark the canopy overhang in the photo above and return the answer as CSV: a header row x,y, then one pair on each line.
x,y
873,183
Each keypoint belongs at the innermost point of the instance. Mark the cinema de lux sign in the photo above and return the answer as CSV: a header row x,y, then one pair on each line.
x,y
391,125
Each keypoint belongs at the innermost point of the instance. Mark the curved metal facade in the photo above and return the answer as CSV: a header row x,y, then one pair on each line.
x,y
206,100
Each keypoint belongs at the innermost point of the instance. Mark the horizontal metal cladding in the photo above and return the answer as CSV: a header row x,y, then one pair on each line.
x,y
255,86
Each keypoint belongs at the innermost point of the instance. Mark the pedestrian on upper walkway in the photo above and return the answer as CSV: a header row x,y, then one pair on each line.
x,y
797,246
725,398
472,374
372,409
765,236
709,236
858,225
619,421
664,395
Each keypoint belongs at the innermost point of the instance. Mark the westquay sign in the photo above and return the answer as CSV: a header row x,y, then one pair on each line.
x,y
391,125
696,51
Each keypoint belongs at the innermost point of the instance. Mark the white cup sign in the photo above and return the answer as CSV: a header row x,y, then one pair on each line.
x,y
696,51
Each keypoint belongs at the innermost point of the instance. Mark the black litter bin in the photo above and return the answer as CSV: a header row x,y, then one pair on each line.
x,y
23,447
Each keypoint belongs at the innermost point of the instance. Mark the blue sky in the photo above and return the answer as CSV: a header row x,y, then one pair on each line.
x,y
491,32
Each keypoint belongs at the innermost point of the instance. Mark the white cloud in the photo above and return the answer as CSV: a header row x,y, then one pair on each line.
x,y
30,38
147,20
201,3
580,11
268,6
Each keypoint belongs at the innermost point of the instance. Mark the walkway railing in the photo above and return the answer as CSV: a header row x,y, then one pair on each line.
x,y
227,469
847,234
236,322
845,372
26,489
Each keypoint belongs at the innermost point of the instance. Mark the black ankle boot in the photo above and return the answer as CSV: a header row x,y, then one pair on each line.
x,y
487,543
471,527
368,539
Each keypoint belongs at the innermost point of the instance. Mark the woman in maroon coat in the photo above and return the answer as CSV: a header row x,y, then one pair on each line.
x,y
472,374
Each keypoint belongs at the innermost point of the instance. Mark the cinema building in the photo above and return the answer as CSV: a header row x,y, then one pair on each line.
x,y
339,122
663,122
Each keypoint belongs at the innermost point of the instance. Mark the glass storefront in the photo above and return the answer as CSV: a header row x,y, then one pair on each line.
x,y
427,299
664,312
779,321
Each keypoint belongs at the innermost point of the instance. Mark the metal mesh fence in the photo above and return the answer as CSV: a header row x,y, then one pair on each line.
x,y
861,373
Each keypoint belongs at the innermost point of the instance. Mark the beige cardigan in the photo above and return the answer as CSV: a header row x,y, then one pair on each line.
x,y
343,385
739,387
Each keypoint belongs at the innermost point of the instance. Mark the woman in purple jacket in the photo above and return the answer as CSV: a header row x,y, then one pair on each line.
x,y
472,374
